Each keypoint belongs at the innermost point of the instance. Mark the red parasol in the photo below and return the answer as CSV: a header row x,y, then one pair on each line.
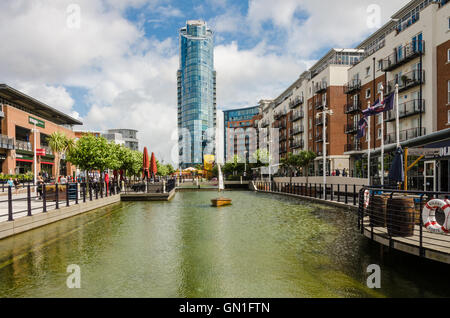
x,y
146,165
153,167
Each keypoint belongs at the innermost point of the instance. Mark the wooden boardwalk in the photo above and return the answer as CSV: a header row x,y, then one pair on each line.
x,y
434,246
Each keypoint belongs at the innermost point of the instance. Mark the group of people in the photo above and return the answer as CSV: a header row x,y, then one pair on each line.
x,y
337,173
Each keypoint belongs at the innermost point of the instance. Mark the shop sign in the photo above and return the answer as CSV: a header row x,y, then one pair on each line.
x,y
444,151
40,152
35,121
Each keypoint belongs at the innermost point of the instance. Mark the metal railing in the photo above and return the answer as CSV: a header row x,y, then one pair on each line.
x,y
351,128
352,107
396,213
406,109
406,81
357,146
6,142
404,135
341,193
44,197
402,56
299,114
352,86
23,145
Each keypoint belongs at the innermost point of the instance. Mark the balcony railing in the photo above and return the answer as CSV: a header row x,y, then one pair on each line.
x,y
352,107
298,130
23,145
357,146
283,137
320,87
407,81
48,150
297,144
319,138
404,135
264,123
279,114
296,102
400,57
351,128
6,142
406,109
352,86
319,121
299,114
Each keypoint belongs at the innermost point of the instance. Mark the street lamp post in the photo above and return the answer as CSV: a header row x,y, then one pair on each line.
x,y
324,114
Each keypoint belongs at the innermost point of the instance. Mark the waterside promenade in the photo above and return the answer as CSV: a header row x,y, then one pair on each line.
x,y
412,238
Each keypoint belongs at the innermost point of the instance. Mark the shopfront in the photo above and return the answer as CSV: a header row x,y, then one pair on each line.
x,y
24,164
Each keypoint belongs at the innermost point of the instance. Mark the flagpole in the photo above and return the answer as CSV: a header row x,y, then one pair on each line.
x,y
397,118
382,136
368,148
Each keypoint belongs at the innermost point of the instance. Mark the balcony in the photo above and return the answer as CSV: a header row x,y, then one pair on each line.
x,y
406,81
23,145
265,124
404,135
406,54
48,150
296,102
6,142
319,138
351,128
299,114
320,87
352,107
406,109
298,144
319,121
356,146
352,86
282,137
320,105
298,130
278,115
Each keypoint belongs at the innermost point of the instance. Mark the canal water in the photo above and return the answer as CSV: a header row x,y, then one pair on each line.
x,y
262,246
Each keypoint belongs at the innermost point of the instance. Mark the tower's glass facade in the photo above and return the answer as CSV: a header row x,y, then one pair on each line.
x,y
196,80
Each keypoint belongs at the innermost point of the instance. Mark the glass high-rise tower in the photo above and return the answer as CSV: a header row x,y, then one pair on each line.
x,y
196,80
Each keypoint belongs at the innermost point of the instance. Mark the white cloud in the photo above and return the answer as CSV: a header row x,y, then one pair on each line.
x,y
131,79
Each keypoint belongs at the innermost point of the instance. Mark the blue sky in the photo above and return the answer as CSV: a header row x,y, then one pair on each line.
x,y
113,63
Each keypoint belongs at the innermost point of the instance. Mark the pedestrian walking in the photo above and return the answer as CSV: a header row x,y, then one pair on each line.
x,y
16,185
40,185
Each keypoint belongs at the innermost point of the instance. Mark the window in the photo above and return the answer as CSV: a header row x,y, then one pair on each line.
x,y
448,90
368,93
379,132
367,71
448,55
380,64
448,116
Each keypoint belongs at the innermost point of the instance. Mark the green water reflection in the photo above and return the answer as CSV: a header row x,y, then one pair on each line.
x,y
261,246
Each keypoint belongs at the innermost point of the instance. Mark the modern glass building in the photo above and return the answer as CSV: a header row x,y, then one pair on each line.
x,y
237,121
196,80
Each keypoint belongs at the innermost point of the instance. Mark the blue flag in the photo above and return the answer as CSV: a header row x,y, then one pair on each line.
x,y
362,124
379,107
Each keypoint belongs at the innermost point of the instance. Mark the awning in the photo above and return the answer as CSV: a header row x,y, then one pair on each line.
x,y
47,163
24,160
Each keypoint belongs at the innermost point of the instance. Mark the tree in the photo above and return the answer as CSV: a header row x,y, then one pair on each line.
x,y
262,157
94,153
60,145
290,163
305,158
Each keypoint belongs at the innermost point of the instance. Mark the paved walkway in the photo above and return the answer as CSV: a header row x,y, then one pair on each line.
x,y
20,205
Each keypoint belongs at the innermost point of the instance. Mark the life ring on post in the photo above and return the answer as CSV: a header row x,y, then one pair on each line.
x,y
366,198
429,215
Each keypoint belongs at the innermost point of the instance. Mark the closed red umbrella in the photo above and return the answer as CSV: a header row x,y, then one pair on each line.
x,y
146,165
153,167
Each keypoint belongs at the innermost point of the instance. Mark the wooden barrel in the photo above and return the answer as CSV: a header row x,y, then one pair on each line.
x,y
401,216
50,192
378,210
